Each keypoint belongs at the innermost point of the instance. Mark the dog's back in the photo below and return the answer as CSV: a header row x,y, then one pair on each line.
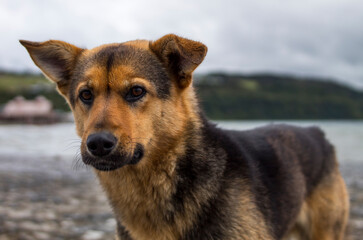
x,y
276,149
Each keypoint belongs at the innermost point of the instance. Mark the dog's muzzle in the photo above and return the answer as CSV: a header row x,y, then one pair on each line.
x,y
104,154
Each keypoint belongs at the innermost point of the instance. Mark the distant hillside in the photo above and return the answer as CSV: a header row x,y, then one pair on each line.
x,y
225,96
276,97
29,86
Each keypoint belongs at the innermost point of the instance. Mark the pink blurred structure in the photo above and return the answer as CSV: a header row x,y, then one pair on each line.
x,y
38,111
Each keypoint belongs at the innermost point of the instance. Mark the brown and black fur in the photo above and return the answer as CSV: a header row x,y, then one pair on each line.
x,y
171,173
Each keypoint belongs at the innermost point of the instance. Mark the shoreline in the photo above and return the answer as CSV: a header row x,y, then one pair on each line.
x,y
58,198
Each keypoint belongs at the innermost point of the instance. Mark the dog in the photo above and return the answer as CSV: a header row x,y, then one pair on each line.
x,y
168,172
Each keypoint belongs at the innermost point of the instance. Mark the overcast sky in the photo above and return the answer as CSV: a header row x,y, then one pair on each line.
x,y
322,38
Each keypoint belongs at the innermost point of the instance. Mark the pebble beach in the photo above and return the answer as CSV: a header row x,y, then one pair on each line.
x,y
54,199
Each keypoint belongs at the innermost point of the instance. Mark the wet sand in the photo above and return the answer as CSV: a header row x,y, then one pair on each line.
x,y
49,198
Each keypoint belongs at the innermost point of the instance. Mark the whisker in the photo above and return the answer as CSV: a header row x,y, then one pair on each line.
x,y
77,162
71,147
72,143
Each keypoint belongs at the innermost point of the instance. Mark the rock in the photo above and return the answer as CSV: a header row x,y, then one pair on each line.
x,y
4,237
41,236
110,225
28,225
49,215
358,223
20,214
93,235
48,226
25,236
10,226
67,224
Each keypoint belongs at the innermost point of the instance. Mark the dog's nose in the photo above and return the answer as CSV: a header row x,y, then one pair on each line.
x,y
101,144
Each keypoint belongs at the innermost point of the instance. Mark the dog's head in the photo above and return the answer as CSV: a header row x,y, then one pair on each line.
x,y
130,100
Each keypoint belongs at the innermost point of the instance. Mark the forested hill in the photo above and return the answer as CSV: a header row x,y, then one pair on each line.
x,y
276,97
224,96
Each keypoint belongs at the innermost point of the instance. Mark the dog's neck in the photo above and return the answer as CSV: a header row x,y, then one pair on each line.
x,y
143,196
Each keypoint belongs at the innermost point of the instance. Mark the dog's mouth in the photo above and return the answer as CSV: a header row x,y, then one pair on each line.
x,y
114,160
105,166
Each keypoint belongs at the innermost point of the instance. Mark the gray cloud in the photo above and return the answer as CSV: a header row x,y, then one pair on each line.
x,y
311,38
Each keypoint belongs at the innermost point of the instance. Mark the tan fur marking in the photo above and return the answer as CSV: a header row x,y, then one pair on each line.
x,y
252,224
93,80
324,214
143,44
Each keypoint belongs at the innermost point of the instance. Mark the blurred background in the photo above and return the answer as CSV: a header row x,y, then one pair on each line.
x,y
297,62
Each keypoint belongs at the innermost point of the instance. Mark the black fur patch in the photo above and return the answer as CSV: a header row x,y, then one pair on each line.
x,y
122,232
208,169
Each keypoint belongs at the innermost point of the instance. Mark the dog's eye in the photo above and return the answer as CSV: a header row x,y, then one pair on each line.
x,y
135,93
86,96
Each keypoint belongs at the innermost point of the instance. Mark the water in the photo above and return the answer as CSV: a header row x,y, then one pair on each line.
x,y
33,140
60,140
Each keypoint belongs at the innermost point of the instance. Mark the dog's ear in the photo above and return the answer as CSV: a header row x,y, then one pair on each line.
x,y
180,56
56,59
